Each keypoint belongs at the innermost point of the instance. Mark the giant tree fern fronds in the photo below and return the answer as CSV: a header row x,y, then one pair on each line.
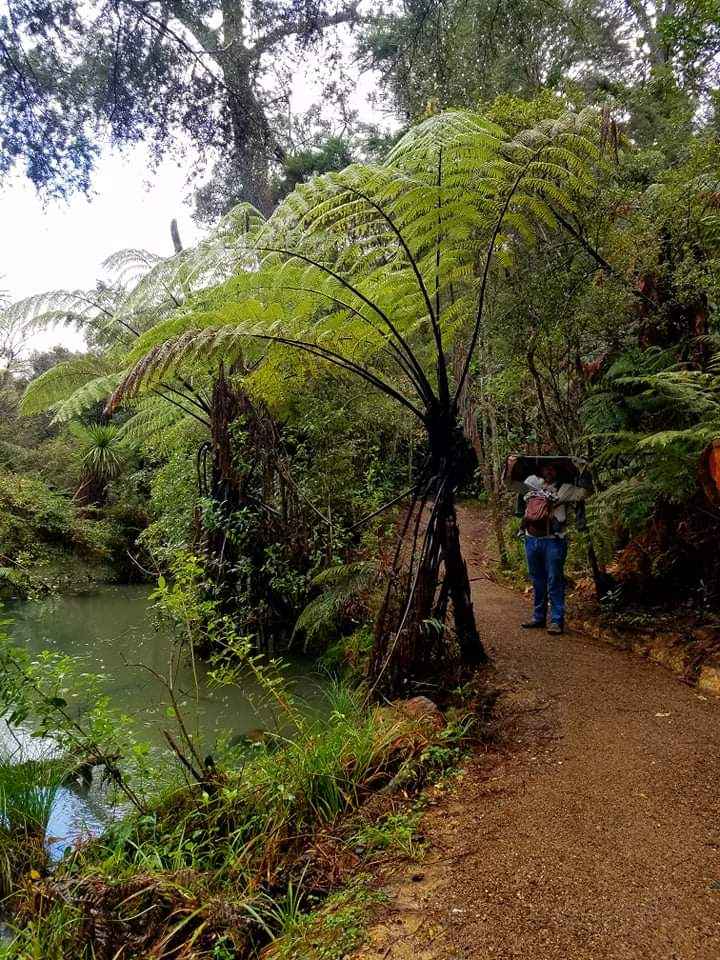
x,y
144,288
373,268
60,383
687,395
84,310
156,286
85,397
147,291
157,425
653,424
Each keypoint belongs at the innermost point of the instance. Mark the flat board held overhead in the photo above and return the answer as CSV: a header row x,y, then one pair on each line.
x,y
519,466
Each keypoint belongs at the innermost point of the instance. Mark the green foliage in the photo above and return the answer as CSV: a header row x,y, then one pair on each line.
x,y
69,388
44,539
28,790
334,930
653,420
45,938
100,456
396,833
349,655
338,587
332,154
238,842
456,54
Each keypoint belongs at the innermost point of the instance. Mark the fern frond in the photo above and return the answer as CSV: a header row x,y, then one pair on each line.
x,y
347,267
60,382
339,585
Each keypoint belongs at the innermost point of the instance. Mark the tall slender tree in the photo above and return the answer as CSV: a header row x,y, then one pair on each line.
x,y
376,271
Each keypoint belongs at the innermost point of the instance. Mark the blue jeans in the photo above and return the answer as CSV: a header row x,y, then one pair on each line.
x,y
546,562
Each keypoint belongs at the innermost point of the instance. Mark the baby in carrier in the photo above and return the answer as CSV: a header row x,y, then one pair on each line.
x,y
540,503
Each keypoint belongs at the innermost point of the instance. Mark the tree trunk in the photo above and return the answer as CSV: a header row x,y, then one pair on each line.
x,y
255,146
484,445
489,476
472,652
414,651
91,491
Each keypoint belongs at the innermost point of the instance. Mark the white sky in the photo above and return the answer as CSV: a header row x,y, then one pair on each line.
x,y
47,245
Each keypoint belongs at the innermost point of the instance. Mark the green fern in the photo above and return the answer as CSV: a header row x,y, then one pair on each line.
x,y
338,585
61,383
375,268
653,420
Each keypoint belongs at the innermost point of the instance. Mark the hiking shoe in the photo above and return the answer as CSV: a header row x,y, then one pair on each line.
x,y
533,625
555,628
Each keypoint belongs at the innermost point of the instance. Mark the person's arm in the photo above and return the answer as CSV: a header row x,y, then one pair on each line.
x,y
569,493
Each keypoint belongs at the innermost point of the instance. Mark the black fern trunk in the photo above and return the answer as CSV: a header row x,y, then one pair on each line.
x,y
472,652
426,634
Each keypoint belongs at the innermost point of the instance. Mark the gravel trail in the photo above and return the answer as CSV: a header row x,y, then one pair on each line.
x,y
595,833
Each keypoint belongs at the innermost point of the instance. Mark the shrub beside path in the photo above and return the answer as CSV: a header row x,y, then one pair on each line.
x,y
591,833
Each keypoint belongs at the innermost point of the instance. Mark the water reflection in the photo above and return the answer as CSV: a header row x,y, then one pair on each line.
x,y
114,634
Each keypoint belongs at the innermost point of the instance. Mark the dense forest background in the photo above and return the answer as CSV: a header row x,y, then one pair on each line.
x,y
517,249
597,340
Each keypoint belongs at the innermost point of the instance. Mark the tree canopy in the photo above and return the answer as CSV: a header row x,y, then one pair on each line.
x,y
217,72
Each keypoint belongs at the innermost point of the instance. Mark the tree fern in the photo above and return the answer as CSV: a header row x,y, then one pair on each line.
x,y
347,266
373,270
158,426
653,420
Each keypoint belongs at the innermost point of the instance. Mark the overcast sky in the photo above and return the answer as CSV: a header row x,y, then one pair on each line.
x,y
47,245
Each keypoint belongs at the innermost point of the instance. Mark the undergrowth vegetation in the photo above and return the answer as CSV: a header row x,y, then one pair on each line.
x,y
246,857
45,544
272,426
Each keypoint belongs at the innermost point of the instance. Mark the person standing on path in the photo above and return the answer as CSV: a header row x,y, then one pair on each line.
x,y
544,528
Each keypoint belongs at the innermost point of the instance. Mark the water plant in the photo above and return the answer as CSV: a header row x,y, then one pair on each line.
x,y
28,790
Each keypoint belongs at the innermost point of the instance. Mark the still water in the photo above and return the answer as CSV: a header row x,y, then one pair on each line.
x,y
112,631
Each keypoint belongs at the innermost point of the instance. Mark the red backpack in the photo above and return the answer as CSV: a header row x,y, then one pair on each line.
x,y
538,516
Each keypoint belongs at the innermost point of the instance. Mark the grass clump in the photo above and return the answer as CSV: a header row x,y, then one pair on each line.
x,y
224,868
332,931
28,790
396,832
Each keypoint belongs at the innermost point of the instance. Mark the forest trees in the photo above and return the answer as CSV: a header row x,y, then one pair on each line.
x,y
376,271
657,61
72,72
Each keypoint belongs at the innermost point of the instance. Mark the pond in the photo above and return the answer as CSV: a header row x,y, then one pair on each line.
x,y
112,630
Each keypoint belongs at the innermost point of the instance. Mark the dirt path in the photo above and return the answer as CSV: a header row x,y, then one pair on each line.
x,y
596,837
